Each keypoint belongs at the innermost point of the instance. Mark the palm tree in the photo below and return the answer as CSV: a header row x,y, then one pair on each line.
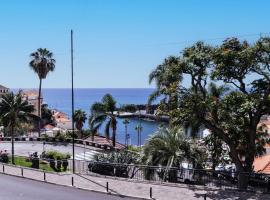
x,y
165,76
42,63
168,147
79,119
102,112
13,111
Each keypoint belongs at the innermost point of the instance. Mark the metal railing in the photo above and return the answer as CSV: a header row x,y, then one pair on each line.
x,y
158,174
59,140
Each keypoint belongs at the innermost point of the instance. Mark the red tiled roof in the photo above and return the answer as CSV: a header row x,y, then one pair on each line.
x,y
265,122
49,127
104,141
262,164
31,93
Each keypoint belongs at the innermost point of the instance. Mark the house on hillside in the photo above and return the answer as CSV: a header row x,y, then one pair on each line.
x,y
264,126
62,120
261,164
32,97
3,90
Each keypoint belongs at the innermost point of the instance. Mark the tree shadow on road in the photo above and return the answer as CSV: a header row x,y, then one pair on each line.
x,y
228,194
103,186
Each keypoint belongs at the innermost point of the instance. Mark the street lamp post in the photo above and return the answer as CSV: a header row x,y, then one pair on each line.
x,y
126,122
44,146
139,128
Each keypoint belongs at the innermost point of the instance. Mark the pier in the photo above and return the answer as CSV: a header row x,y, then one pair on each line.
x,y
143,115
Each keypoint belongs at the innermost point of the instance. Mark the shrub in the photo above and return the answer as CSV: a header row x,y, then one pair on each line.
x,y
70,135
106,164
56,154
35,161
60,137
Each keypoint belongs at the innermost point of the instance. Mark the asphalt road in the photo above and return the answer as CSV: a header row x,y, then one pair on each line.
x,y
15,188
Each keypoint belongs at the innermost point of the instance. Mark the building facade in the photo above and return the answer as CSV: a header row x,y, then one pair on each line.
x,y
3,90
32,97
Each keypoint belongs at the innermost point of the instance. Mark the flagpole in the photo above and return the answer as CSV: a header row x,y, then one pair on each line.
x,y
72,102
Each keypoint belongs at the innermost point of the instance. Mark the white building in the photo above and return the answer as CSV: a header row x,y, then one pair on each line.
x,y
3,90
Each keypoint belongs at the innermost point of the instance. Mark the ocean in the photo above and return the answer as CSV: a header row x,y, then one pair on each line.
x,y
60,99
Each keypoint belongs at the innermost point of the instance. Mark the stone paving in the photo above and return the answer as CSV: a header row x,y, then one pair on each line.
x,y
28,147
131,188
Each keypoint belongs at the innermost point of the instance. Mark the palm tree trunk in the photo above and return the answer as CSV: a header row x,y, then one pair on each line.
x,y
39,114
114,137
12,145
81,133
93,136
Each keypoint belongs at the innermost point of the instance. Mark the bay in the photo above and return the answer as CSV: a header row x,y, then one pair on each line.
x,y
60,99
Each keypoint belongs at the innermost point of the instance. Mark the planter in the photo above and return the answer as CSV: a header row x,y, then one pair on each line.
x,y
65,165
35,163
52,163
58,165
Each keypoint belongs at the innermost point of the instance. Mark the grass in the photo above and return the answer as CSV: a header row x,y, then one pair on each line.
x,y
24,162
134,148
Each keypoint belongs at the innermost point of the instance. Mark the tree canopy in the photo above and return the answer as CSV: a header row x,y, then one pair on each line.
x,y
243,69
103,112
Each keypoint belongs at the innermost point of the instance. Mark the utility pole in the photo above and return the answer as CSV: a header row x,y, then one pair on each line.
x,y
72,102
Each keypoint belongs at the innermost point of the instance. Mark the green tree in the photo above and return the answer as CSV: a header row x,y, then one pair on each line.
x,y
46,115
79,119
214,143
233,118
42,63
103,112
167,77
13,111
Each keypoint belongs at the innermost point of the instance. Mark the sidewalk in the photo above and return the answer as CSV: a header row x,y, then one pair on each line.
x,y
130,188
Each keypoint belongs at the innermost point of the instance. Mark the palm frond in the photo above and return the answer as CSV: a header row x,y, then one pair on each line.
x,y
97,108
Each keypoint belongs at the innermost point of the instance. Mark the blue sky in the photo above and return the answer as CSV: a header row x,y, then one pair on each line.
x,y
117,42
